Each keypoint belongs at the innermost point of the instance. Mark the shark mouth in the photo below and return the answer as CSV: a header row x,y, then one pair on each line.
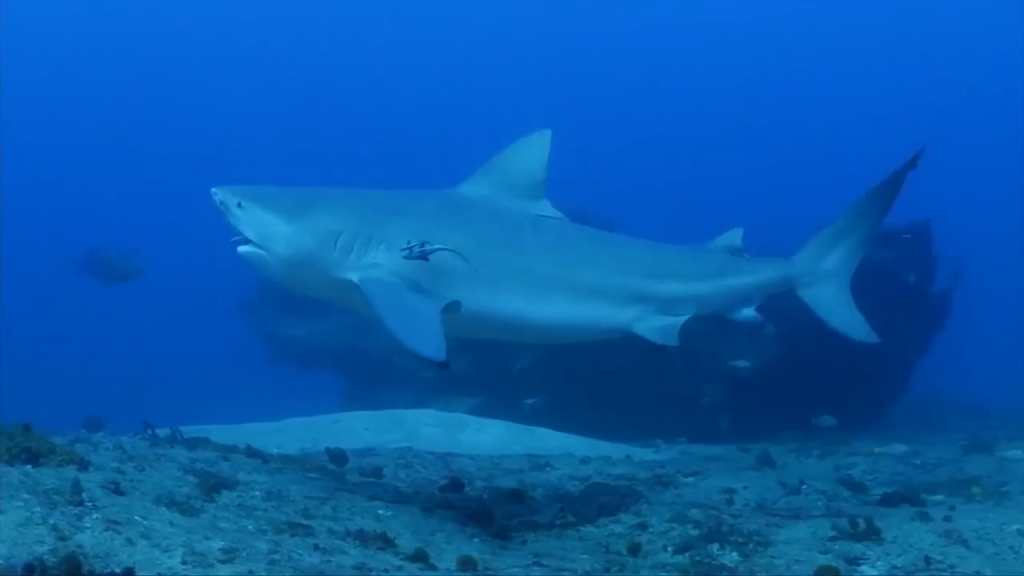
x,y
239,241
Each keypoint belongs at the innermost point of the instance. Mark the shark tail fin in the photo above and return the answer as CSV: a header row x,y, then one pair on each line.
x,y
825,265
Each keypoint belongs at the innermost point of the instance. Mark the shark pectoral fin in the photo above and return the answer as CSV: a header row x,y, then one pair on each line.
x,y
663,330
731,241
748,314
517,176
411,317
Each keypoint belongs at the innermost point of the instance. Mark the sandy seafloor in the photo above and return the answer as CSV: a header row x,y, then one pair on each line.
x,y
427,492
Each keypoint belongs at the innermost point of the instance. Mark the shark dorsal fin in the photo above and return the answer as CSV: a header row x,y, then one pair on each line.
x,y
731,241
517,176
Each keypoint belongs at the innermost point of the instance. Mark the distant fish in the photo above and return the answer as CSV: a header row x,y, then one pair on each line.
x,y
531,404
825,421
109,267
1014,454
741,365
892,449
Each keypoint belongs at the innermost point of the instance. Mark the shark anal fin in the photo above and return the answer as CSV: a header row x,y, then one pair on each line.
x,y
414,319
748,314
662,330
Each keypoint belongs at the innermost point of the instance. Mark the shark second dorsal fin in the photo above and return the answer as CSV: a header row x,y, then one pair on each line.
x,y
517,176
731,241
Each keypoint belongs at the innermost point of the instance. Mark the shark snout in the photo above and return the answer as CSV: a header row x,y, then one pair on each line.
x,y
223,202
229,205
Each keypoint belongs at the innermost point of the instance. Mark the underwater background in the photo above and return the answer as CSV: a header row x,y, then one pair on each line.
x,y
675,120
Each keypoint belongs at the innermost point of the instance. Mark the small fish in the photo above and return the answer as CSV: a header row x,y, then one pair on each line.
x,y
1015,454
109,267
533,403
825,421
742,364
892,449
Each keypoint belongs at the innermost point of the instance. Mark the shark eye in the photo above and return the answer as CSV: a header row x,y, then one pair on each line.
x,y
238,204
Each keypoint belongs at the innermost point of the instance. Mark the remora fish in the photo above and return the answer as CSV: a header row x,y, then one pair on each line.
x,y
505,265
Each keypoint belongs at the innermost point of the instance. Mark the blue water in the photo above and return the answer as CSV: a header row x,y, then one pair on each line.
x,y
680,119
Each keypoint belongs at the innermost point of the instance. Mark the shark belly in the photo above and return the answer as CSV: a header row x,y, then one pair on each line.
x,y
543,311
551,322
561,305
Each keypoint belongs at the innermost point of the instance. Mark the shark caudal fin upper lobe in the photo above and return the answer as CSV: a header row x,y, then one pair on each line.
x,y
826,264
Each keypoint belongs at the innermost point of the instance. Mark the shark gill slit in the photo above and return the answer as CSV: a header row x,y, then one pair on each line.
x,y
346,246
356,247
337,244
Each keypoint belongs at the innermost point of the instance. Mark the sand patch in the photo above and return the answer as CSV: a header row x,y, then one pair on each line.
x,y
422,429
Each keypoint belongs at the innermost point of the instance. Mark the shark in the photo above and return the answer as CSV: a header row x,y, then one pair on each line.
x,y
492,259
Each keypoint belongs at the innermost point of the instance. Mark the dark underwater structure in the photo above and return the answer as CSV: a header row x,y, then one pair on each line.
x,y
727,381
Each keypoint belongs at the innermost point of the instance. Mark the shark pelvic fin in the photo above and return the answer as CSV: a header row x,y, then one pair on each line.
x,y
663,330
517,176
731,241
827,262
749,314
413,318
